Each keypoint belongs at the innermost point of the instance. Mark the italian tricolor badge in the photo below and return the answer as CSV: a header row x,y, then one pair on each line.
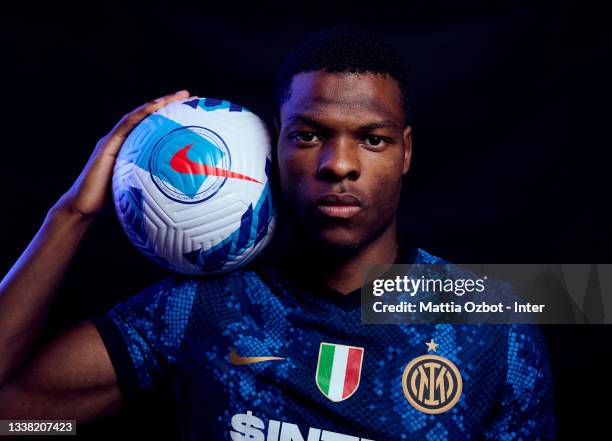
x,y
338,370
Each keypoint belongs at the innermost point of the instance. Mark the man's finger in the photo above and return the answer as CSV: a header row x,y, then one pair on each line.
x,y
130,120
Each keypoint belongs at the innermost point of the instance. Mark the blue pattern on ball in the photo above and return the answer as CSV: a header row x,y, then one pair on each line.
x,y
253,228
130,204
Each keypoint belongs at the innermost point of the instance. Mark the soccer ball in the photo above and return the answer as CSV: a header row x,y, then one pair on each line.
x,y
191,186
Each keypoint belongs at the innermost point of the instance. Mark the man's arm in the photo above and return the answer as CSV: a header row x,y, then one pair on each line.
x,y
70,378
75,365
29,288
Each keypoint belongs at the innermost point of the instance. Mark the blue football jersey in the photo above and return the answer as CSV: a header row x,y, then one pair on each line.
x,y
260,355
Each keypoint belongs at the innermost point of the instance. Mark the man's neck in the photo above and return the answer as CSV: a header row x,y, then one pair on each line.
x,y
344,273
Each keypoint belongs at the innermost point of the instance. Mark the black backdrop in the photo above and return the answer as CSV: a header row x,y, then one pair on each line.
x,y
511,106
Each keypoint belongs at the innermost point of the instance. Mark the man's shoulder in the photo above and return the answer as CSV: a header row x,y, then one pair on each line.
x,y
423,256
245,279
497,290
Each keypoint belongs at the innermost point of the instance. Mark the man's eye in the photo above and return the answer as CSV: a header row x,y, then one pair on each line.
x,y
306,137
375,141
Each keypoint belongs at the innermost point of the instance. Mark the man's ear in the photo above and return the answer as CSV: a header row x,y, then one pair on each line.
x,y
407,138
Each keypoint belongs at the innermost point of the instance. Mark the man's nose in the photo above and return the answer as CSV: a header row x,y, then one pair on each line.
x,y
338,160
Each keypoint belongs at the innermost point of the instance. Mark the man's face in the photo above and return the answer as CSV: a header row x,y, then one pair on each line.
x,y
343,148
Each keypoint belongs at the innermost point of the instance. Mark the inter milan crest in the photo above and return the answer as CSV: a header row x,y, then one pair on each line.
x,y
338,370
432,384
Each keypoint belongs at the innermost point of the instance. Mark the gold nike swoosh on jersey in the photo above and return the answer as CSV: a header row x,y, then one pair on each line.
x,y
238,360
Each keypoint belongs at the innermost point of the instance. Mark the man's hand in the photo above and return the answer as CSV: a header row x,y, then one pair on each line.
x,y
87,195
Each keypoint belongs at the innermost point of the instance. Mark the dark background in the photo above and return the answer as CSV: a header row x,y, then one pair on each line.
x,y
511,140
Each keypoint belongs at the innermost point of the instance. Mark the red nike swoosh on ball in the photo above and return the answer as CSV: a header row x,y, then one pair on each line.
x,y
182,164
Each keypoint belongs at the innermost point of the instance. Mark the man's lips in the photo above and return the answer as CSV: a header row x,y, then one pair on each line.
x,y
339,205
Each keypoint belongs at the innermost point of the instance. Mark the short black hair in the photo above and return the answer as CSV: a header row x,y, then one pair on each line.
x,y
347,48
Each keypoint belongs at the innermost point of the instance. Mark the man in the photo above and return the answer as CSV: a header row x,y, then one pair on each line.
x,y
277,351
